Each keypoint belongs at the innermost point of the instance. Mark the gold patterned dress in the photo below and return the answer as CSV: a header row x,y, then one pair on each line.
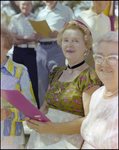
x,y
67,96
65,104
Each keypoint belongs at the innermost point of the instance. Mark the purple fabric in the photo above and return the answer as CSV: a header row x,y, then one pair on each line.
x,y
112,23
7,127
81,24
8,82
18,128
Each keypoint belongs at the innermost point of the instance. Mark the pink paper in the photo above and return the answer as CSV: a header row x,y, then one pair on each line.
x,y
20,102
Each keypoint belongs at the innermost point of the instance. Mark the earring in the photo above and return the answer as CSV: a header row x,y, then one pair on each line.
x,y
85,53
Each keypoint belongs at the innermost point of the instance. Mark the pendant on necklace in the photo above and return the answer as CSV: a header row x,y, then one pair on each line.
x,y
70,71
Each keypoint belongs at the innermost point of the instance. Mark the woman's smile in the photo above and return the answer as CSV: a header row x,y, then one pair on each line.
x,y
70,51
104,70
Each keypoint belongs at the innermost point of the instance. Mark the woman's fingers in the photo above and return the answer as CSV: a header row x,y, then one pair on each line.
x,y
34,121
26,118
31,125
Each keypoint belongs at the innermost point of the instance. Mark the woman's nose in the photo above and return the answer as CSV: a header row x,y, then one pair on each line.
x,y
104,62
70,43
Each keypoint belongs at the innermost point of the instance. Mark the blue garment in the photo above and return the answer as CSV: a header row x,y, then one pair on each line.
x,y
13,71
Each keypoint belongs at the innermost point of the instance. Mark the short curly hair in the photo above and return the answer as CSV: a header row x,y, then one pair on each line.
x,y
7,36
111,36
74,24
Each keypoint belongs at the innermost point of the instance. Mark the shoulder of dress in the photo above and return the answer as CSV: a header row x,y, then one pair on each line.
x,y
54,74
88,70
90,73
56,69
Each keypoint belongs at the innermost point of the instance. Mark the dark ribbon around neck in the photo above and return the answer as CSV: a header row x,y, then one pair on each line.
x,y
75,66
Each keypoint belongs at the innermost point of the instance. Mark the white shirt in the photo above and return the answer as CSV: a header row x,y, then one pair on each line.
x,y
19,24
56,18
98,24
100,128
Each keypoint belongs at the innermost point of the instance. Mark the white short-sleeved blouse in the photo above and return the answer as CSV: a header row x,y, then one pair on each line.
x,y
100,128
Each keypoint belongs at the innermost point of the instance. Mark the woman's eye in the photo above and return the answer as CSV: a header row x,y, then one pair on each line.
x,y
65,40
99,57
112,58
76,41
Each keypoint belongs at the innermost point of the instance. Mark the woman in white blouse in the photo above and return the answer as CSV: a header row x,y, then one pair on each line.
x,y
100,128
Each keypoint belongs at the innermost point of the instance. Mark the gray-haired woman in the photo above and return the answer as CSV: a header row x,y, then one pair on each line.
x,y
100,128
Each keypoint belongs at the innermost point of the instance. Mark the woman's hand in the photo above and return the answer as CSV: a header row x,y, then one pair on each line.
x,y
5,113
40,127
44,108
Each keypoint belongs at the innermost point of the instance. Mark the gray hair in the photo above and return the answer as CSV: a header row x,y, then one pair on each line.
x,y
111,36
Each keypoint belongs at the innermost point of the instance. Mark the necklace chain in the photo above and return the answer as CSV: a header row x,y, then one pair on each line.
x,y
108,94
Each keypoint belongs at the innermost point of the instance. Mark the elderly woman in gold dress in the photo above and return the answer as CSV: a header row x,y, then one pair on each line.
x,y
68,97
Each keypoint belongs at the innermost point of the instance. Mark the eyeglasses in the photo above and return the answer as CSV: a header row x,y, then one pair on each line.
x,y
112,59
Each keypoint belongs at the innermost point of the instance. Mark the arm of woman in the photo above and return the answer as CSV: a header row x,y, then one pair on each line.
x,y
87,97
44,108
72,127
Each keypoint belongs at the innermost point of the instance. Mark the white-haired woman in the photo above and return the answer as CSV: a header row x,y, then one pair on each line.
x,y
100,128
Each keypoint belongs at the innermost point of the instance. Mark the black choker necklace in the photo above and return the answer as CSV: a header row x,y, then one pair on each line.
x,y
70,71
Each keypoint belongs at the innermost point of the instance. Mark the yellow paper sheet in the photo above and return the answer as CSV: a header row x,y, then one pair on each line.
x,y
41,27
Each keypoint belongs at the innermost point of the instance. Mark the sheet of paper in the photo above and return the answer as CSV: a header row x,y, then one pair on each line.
x,y
20,102
41,27
8,82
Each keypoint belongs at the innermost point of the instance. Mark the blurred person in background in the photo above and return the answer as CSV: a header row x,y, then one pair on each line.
x,y
24,43
13,77
97,21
